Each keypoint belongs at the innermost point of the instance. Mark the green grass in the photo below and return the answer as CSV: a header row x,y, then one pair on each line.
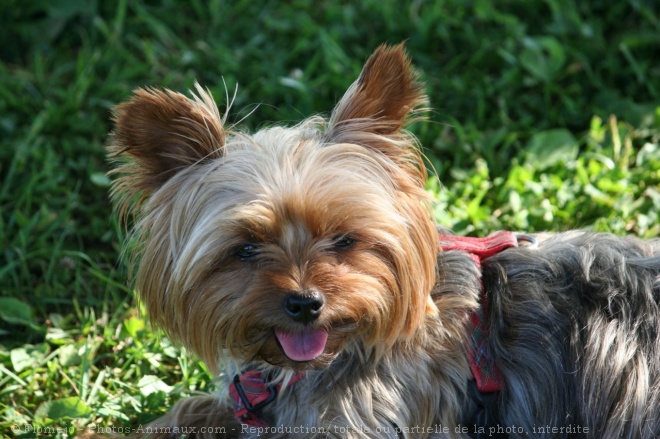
x,y
546,116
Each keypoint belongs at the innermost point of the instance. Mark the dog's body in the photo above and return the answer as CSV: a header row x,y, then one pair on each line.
x,y
308,256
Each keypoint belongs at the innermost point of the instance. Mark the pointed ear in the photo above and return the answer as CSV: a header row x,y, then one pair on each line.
x,y
383,97
157,134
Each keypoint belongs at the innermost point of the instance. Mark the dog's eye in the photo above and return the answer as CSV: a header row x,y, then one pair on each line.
x,y
343,242
247,251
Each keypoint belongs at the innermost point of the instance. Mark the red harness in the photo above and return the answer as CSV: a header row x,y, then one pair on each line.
x,y
251,390
482,362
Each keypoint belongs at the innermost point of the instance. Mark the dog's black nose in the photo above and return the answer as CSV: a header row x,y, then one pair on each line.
x,y
304,307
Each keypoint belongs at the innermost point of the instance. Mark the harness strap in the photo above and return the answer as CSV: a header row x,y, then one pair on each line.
x,y
250,392
479,248
487,376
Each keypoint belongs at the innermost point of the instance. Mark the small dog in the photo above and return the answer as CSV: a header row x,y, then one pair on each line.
x,y
303,266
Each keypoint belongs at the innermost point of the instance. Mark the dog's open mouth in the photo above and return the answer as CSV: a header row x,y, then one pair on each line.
x,y
305,345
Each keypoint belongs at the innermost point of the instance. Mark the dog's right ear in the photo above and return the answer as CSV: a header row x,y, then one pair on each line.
x,y
157,134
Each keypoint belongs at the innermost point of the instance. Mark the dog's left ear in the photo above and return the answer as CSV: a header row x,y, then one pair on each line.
x,y
381,100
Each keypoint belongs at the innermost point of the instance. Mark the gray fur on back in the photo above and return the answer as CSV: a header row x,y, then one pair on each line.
x,y
574,328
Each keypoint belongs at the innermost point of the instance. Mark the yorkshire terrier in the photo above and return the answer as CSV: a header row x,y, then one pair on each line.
x,y
303,265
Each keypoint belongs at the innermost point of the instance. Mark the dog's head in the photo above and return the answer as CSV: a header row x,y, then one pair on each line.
x,y
287,246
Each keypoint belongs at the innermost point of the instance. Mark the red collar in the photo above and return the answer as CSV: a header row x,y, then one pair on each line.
x,y
251,391
486,374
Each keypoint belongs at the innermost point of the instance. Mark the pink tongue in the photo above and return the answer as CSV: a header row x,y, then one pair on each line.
x,y
302,346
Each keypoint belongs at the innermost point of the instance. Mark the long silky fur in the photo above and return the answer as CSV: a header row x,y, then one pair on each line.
x,y
575,327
